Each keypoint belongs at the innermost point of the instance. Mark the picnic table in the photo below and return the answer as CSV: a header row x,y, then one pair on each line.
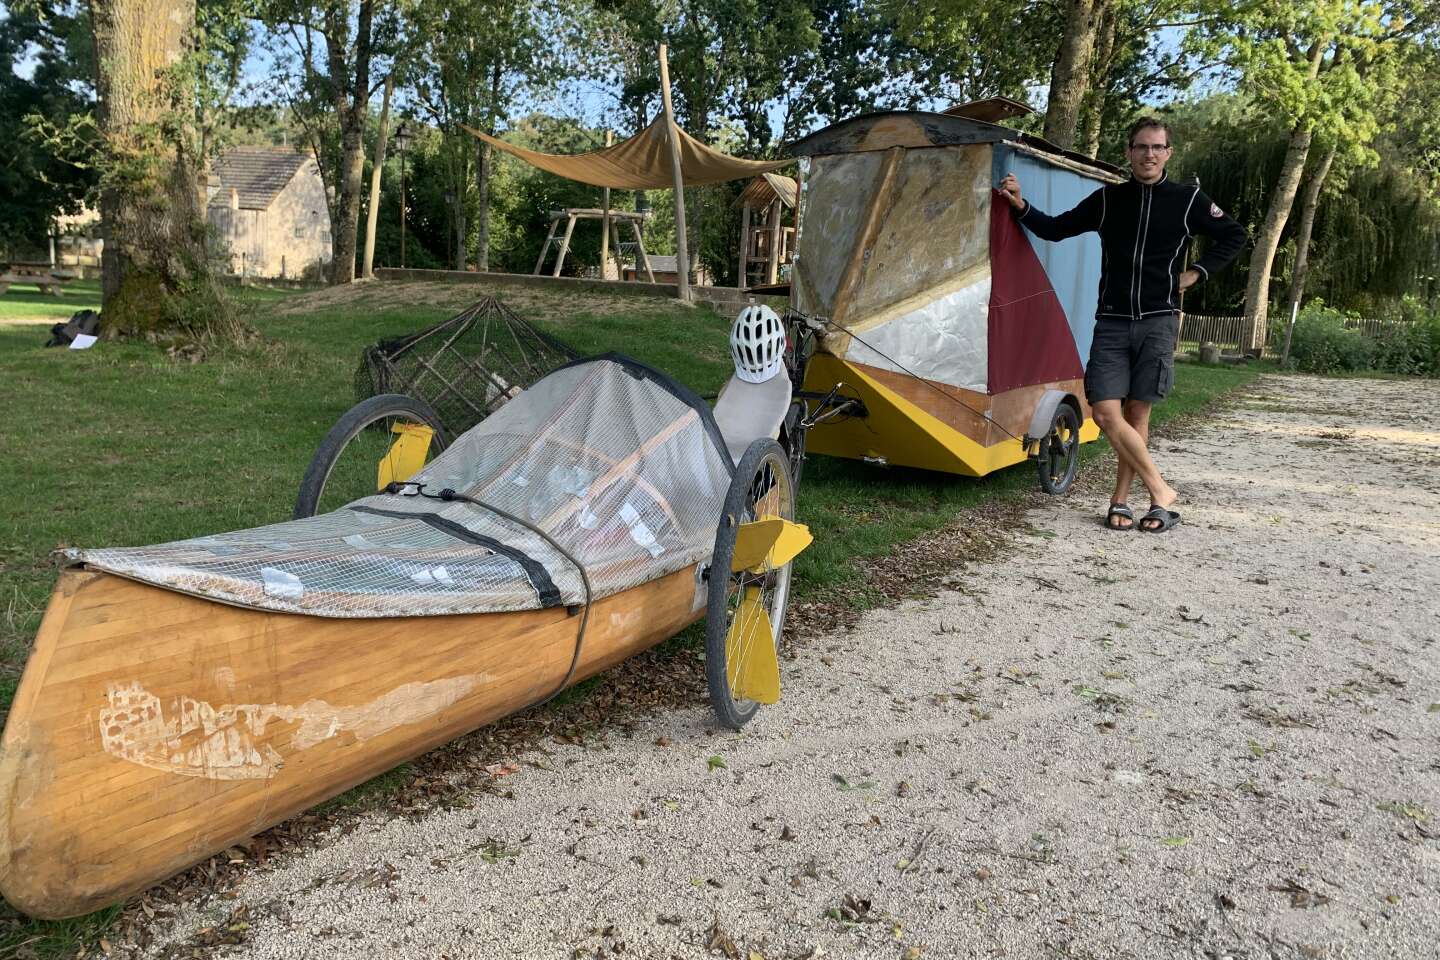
x,y
38,272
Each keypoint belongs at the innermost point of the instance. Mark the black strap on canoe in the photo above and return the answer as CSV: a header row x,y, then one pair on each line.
x,y
450,496
539,577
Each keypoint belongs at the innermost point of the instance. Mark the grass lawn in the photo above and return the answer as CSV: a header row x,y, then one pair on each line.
x,y
120,445
24,303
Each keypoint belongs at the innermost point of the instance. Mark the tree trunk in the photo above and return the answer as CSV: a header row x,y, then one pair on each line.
x,y
460,232
1092,121
1308,202
154,221
1257,289
482,226
372,215
352,109
482,241
1070,77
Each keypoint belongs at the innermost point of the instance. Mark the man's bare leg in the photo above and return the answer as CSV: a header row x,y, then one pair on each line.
x,y
1130,447
1137,414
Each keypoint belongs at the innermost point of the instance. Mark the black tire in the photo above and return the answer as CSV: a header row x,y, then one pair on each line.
x,y
1059,454
792,438
764,472
368,421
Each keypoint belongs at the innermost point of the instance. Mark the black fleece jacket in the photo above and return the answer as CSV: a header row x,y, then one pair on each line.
x,y
1145,231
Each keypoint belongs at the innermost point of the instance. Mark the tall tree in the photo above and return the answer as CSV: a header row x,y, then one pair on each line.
x,y
861,62
155,273
338,54
480,57
1309,204
1319,67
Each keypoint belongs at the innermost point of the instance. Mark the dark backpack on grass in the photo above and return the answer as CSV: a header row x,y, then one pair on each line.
x,y
63,334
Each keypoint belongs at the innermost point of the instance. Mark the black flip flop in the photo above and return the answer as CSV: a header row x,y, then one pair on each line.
x,y
1120,510
1165,517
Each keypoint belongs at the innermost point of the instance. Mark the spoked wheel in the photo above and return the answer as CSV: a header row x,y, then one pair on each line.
x,y
1059,454
384,438
746,606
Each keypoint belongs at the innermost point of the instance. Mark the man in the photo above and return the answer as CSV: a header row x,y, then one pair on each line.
x,y
1145,226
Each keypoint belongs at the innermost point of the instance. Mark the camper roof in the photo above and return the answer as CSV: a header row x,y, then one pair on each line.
x,y
914,128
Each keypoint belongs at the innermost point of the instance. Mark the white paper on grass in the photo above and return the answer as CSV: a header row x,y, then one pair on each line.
x,y
83,341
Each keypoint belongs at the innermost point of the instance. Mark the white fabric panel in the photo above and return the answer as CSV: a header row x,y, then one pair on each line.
x,y
626,470
945,340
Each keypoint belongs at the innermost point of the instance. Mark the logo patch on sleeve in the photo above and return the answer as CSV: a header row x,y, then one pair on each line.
x,y
1215,210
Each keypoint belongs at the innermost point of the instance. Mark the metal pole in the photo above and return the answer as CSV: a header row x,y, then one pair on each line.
x,y
402,204
605,226
1289,332
682,255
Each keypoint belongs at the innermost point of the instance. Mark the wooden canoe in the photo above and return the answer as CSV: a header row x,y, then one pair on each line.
x,y
152,729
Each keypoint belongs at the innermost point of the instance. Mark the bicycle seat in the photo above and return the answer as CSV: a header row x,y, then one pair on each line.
x,y
745,411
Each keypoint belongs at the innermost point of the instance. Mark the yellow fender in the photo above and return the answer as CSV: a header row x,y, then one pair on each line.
x,y
768,544
751,663
750,660
406,455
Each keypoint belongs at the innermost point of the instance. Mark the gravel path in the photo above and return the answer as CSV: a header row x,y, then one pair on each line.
x,y
1218,742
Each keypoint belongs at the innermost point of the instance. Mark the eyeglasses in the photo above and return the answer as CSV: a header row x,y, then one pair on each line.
x,y
1149,147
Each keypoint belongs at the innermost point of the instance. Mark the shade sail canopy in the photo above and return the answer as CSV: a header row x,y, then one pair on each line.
x,y
642,162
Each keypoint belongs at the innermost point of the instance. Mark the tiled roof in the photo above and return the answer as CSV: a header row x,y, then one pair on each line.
x,y
258,174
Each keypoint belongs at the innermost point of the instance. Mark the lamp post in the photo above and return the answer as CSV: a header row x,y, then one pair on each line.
x,y
402,140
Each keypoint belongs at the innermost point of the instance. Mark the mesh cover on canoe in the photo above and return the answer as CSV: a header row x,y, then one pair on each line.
x,y
617,462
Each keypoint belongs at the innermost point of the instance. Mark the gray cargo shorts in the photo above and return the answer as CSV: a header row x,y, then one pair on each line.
x,y
1132,359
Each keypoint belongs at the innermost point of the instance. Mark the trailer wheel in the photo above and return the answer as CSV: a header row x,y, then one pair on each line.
x,y
761,487
345,465
1059,454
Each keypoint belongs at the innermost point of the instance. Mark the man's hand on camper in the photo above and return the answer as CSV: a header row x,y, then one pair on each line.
x,y
1011,188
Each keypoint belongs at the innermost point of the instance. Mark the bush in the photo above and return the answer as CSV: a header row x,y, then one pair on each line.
x,y
1323,344
1326,342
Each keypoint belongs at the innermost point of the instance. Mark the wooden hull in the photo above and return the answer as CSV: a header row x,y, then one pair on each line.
x,y
152,729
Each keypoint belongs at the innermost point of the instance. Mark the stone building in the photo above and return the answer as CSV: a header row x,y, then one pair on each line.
x,y
267,206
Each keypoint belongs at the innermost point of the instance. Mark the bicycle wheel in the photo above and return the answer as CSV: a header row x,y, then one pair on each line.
x,y
1059,453
761,488
373,442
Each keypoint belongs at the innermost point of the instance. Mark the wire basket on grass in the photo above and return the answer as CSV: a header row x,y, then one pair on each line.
x,y
466,367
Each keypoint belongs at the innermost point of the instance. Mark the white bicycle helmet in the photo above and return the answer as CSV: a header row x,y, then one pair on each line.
x,y
757,344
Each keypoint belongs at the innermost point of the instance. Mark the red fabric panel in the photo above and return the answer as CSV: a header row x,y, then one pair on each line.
x,y
1030,341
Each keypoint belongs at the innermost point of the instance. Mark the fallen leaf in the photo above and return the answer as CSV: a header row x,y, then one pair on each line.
x,y
1175,841
716,762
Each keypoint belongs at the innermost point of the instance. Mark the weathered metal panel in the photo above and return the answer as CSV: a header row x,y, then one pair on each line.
x,y
898,128
835,202
938,226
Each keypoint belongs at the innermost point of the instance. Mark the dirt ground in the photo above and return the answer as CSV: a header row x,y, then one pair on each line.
x,y
1219,742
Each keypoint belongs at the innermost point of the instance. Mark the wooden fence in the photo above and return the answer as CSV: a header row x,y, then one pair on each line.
x,y
1232,334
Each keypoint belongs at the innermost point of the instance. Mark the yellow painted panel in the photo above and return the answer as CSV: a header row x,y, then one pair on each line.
x,y
768,544
900,432
406,455
750,660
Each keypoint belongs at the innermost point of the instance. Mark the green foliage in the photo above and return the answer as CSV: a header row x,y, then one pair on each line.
x,y
1377,230
1329,341
46,120
1323,343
